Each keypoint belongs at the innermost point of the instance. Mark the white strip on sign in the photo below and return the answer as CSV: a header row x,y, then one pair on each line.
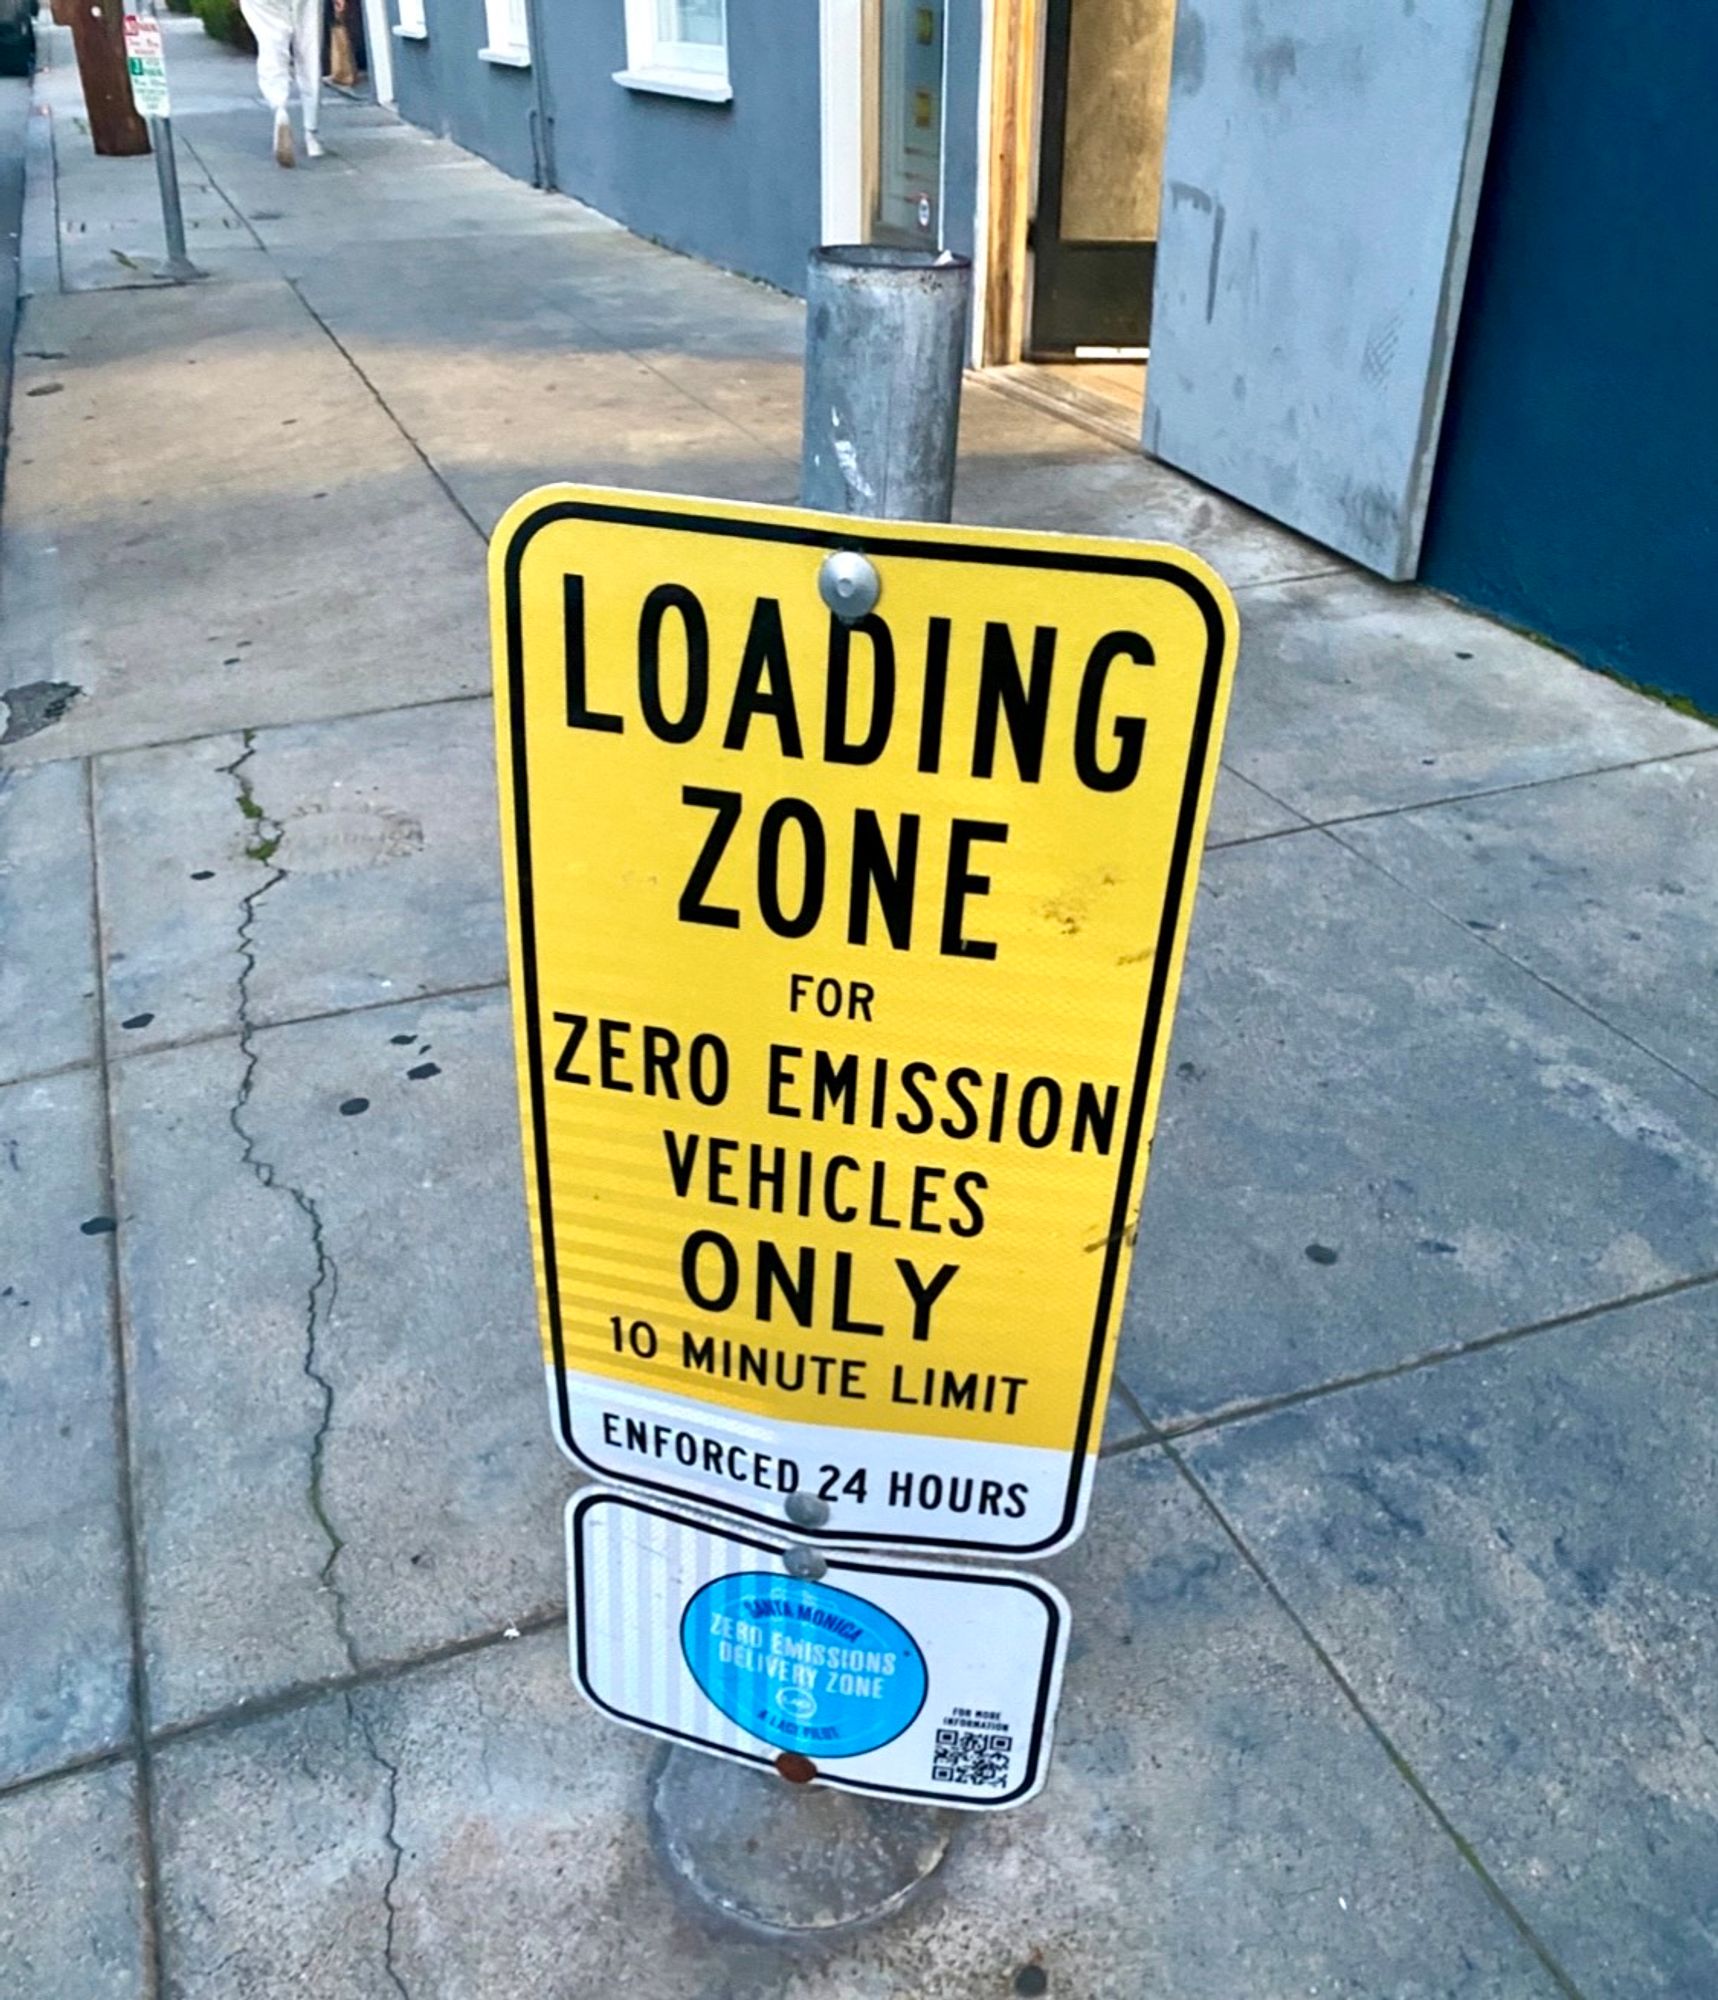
x,y
146,63
899,1680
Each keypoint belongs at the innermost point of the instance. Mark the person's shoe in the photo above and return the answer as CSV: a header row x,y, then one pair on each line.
x,y
284,156
313,147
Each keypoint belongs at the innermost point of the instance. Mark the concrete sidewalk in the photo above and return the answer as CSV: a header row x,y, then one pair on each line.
x,y
1395,1630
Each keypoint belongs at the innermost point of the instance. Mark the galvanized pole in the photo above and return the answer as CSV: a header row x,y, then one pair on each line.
x,y
178,266
885,344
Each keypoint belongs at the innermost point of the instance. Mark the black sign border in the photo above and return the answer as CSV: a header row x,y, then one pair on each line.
x,y
582,1503
880,538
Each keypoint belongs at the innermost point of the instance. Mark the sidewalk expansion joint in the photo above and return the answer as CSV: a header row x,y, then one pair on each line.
x,y
1171,1429
129,1499
242,1714
1532,972
266,834
379,1673
1397,1758
73,1767
340,348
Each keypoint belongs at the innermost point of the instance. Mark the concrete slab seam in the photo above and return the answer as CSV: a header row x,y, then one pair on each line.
x,y
481,990
1282,805
1145,1433
1300,576
1539,978
379,1673
210,735
343,351
1464,798
1289,1399
1398,1761
639,360
197,1041
74,1767
125,1468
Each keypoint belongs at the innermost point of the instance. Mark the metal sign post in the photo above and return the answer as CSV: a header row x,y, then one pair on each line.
x,y
850,864
146,62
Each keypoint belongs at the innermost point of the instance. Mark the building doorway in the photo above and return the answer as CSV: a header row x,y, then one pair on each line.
x,y
1104,101
1079,101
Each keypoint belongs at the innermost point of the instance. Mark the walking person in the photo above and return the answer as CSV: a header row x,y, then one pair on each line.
x,y
289,45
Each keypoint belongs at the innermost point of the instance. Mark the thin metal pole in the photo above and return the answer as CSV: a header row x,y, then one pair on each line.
x,y
178,266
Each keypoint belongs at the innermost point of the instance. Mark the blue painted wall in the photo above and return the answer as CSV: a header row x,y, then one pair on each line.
x,y
1574,489
440,84
736,183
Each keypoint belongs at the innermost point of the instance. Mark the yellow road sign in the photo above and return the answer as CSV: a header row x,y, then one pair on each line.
x,y
844,957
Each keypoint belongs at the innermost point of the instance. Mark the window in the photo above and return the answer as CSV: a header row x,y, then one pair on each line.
x,y
509,33
413,26
679,47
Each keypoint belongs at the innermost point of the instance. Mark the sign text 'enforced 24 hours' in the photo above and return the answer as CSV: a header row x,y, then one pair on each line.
x,y
844,959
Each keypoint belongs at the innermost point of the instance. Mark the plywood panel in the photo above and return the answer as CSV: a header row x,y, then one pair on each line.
x,y
1118,97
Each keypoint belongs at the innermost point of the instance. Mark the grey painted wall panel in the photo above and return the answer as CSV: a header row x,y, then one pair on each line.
x,y
440,84
737,183
1320,177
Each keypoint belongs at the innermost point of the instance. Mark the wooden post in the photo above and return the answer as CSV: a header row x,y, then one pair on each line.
x,y
1013,111
98,35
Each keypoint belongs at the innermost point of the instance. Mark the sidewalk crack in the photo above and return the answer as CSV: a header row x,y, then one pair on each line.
x,y
266,835
390,1839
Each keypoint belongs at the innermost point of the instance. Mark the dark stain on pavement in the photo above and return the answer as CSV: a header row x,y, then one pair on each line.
x,y
351,1107
137,1021
33,705
1321,1253
99,1225
419,1071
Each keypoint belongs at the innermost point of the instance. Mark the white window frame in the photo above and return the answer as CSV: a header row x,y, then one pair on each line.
x,y
412,26
673,69
509,26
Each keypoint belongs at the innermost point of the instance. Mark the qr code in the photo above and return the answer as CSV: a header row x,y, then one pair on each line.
x,y
970,1757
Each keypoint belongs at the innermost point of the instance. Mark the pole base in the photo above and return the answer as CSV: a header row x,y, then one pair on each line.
x,y
798,1861
179,271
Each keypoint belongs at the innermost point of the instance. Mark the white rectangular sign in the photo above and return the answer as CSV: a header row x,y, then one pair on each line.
x,y
147,64
899,1680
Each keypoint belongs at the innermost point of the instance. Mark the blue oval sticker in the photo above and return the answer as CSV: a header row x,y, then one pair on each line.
x,y
803,1665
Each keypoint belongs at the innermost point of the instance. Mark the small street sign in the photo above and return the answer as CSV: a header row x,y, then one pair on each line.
x,y
924,1683
845,952
148,66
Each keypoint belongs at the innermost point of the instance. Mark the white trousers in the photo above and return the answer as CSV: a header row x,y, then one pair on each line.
x,y
289,50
